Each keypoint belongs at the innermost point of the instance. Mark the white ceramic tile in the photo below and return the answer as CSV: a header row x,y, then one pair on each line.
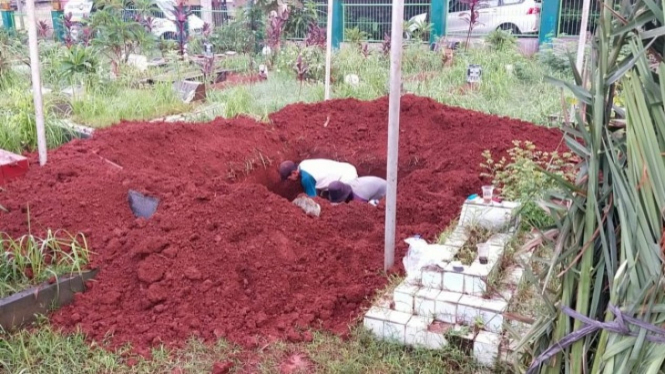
x,y
425,305
403,297
486,348
416,331
446,306
432,278
435,340
375,326
452,280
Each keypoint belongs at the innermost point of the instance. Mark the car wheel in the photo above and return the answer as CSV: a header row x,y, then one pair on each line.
x,y
510,27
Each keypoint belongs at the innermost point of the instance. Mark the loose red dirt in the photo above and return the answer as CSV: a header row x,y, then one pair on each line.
x,y
227,254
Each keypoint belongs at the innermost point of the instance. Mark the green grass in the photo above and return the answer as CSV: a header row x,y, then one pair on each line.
x,y
102,108
46,350
18,131
29,260
260,99
502,93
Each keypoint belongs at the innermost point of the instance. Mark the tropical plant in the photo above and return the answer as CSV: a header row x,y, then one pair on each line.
x,y
316,36
301,16
116,37
355,35
301,69
471,18
43,29
500,40
385,44
76,60
276,24
181,12
525,177
606,313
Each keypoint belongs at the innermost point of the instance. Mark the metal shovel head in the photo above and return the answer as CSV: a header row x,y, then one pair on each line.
x,y
142,206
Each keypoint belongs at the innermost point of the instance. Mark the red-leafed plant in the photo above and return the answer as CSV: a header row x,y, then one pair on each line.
x,y
43,29
181,12
276,28
316,36
301,69
365,50
472,17
68,25
385,44
145,20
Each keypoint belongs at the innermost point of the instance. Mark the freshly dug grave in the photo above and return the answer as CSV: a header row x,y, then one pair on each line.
x,y
227,254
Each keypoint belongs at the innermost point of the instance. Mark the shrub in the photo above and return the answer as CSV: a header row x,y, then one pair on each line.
x,y
314,57
524,177
500,40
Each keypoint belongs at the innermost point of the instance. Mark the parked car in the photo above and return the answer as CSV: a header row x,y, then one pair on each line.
x,y
517,16
162,27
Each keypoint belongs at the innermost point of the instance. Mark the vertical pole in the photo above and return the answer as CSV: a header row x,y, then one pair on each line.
x,y
549,20
329,33
581,43
439,15
36,81
337,23
19,8
393,130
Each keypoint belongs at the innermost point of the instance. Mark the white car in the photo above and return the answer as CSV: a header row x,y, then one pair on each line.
x,y
161,27
518,16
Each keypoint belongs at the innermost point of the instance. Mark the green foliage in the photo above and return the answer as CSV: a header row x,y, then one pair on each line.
x,y
300,17
526,177
500,40
78,60
17,122
312,56
30,259
116,37
99,108
355,35
232,37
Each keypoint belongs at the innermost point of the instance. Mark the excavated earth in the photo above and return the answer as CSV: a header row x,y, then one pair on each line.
x,y
227,254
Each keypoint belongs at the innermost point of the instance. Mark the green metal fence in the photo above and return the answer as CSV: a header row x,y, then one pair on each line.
x,y
371,21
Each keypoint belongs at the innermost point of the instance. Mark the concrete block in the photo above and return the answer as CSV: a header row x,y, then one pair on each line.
x,y
432,277
452,280
394,328
446,306
425,304
403,297
416,331
486,348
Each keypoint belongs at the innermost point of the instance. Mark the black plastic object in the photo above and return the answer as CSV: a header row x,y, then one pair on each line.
x,y
142,206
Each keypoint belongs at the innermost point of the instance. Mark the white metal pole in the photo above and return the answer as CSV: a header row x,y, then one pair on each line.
x,y
393,130
581,44
36,80
328,48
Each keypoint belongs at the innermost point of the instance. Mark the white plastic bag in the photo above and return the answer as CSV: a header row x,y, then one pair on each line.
x,y
420,254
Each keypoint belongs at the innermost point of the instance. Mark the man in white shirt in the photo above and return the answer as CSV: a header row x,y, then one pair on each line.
x,y
365,189
317,174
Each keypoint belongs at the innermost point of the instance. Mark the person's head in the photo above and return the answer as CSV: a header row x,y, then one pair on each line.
x,y
339,192
288,170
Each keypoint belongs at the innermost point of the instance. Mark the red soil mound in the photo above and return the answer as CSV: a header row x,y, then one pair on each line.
x,y
226,255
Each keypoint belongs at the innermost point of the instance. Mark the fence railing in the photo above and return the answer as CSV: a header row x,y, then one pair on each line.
x,y
370,20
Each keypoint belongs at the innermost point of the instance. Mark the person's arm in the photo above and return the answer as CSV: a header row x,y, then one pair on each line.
x,y
308,183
